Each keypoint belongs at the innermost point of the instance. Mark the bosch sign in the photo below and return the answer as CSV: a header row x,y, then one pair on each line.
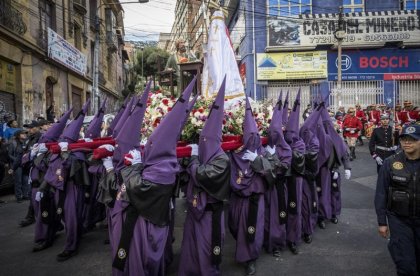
x,y
384,64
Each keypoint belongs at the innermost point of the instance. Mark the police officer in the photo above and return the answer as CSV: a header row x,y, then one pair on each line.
x,y
383,142
398,200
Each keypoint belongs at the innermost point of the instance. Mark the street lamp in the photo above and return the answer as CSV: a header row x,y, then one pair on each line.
x,y
95,88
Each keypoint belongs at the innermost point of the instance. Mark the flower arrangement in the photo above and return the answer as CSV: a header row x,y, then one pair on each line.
x,y
159,105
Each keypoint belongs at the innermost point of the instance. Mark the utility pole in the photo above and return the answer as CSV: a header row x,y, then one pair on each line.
x,y
339,35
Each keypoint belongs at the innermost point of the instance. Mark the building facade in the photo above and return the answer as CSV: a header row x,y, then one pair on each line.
x,y
46,55
287,45
191,19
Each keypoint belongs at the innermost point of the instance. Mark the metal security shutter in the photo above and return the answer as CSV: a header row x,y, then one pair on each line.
x,y
272,91
409,91
352,92
7,105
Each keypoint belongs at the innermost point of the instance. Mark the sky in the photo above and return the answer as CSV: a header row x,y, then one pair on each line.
x,y
145,21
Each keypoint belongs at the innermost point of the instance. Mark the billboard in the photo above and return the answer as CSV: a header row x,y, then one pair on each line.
x,y
382,64
361,28
62,51
293,65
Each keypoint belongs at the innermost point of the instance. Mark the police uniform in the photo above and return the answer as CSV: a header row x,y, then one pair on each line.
x,y
382,143
397,200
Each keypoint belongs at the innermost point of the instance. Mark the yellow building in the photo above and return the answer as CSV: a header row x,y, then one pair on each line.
x,y
47,52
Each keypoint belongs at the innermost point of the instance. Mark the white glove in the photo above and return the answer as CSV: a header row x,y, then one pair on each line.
x,y
108,147
352,131
42,148
335,175
194,149
88,140
107,162
347,174
394,147
249,155
38,196
34,150
379,160
64,146
136,157
270,149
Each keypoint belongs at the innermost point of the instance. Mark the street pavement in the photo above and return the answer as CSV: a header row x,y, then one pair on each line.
x,y
352,247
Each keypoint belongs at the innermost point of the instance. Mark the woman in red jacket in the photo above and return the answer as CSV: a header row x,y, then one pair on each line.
x,y
351,126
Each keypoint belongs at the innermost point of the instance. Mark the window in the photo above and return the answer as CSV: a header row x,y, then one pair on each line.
x,y
411,5
77,36
289,8
92,11
47,20
353,6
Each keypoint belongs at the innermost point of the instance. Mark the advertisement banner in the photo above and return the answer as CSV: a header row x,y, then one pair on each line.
x,y
360,28
62,51
294,65
382,64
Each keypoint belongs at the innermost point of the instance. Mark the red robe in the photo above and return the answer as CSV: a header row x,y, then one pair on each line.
x,y
353,123
375,116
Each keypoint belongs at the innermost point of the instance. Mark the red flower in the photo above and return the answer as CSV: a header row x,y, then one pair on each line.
x,y
157,121
201,110
165,101
169,109
224,121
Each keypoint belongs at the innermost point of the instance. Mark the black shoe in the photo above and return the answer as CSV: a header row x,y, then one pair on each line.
x,y
307,238
250,268
26,222
40,246
293,248
65,255
26,198
334,220
277,253
19,200
321,224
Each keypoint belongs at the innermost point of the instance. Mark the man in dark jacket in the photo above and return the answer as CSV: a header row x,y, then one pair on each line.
x,y
16,149
397,202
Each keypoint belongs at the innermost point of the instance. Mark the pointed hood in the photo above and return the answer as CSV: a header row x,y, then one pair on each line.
x,y
118,116
308,131
94,129
285,114
123,117
190,107
251,136
338,142
54,132
275,133
160,161
211,136
130,133
71,132
275,120
292,127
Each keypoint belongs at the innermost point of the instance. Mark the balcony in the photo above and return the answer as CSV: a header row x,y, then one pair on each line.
x,y
80,6
11,19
